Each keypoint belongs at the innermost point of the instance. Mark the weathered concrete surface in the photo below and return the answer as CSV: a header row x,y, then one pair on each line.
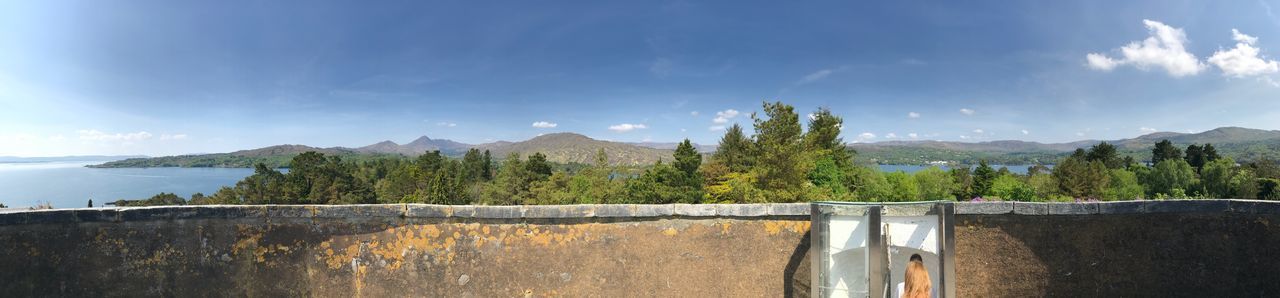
x,y
1178,248
1119,255
371,254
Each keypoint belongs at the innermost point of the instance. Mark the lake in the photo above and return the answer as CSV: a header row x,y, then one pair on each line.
x,y
71,185
68,184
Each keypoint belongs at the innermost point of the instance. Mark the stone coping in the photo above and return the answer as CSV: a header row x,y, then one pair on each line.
x,y
125,214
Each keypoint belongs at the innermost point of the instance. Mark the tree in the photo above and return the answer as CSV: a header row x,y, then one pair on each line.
x,y
1164,150
90,203
778,148
964,189
1171,177
473,166
687,159
902,187
1080,178
1008,187
734,151
1244,184
1195,156
935,184
823,137
1215,178
1210,153
537,166
1105,153
488,166
983,176
1124,186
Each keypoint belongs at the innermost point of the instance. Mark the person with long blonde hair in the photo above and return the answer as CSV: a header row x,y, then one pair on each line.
x,y
916,282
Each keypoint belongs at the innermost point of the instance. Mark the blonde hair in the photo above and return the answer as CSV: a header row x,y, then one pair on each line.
x,y
917,279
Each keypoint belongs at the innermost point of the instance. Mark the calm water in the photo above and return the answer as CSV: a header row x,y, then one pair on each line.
x,y
914,168
71,185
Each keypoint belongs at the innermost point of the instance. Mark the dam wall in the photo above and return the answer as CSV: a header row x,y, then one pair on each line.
x,y
1003,249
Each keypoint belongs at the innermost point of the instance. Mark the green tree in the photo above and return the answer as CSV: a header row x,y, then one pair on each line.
x,y
1124,186
1080,178
687,159
473,166
935,184
964,189
1210,153
1171,177
1010,187
1215,178
779,155
487,171
1195,156
734,151
538,166
1164,150
1105,153
1244,184
983,176
903,187
823,137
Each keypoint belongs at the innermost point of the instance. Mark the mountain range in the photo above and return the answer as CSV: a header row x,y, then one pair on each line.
x,y
1241,143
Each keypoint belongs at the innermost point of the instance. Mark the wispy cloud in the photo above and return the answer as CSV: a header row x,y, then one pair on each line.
x,y
95,135
1146,129
716,128
625,127
446,124
967,111
819,75
913,115
544,124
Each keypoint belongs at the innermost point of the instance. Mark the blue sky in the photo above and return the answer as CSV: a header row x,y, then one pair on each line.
x,y
171,77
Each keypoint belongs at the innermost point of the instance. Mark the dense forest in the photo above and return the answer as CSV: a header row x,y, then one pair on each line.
x,y
778,162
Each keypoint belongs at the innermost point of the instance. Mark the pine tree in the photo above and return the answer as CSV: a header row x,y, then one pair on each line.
x,y
687,159
778,148
488,166
1210,153
1105,153
983,176
1164,150
1195,156
734,151
824,136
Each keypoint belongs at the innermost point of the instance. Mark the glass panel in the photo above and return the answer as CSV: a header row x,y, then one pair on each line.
x,y
907,235
847,249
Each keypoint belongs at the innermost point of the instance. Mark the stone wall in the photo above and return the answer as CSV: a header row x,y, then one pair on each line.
x,y
1151,248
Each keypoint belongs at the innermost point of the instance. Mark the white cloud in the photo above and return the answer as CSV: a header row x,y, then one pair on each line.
x,y
864,137
1243,60
716,128
913,115
891,136
1101,62
812,117
684,130
57,138
1079,134
625,127
913,135
446,124
723,117
1025,132
694,113
544,124
95,135
978,131
967,111
964,137
1146,129
1164,48
173,137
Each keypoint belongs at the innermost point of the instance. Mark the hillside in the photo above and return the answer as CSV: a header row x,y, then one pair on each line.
x,y
576,148
419,146
1240,143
